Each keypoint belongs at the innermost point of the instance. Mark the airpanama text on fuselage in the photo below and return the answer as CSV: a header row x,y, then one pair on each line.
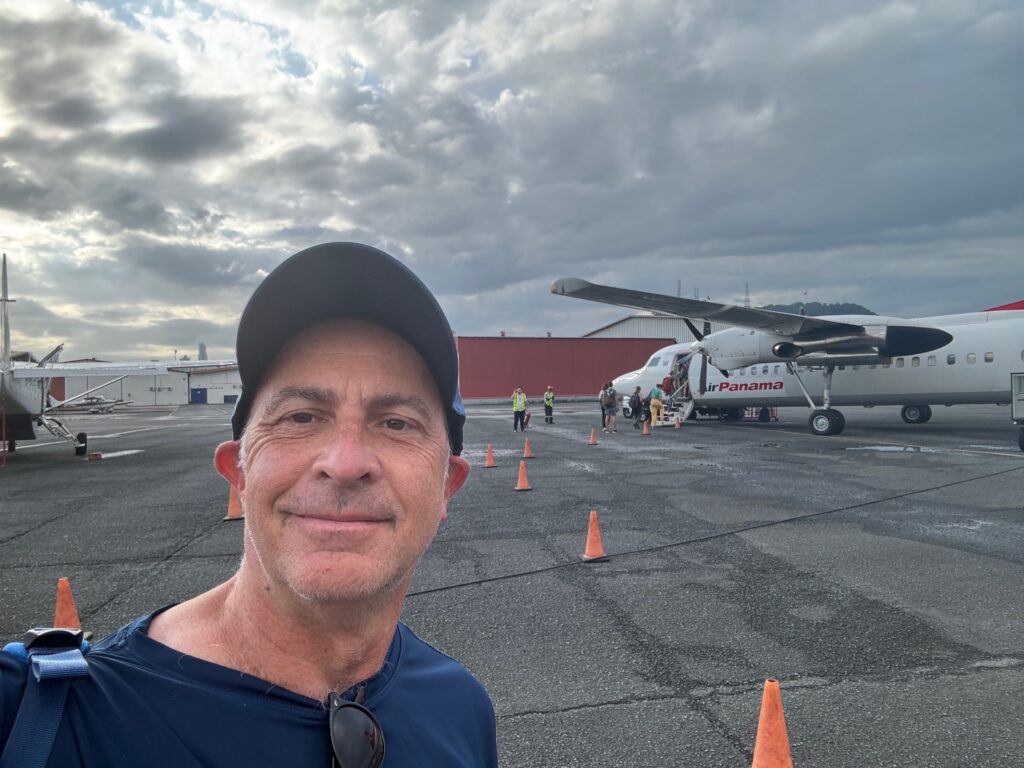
x,y
746,386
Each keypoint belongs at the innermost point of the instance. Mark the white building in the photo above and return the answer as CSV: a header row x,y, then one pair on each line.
x,y
213,382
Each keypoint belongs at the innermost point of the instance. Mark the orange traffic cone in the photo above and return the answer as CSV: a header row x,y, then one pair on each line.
x,y
771,747
523,484
527,450
66,614
679,423
489,461
593,436
595,548
234,508
647,430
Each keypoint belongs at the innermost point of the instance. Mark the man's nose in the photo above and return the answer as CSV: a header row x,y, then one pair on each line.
x,y
347,455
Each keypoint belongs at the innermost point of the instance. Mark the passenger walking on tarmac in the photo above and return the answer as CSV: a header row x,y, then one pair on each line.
x,y
519,405
636,408
657,408
345,453
549,405
610,405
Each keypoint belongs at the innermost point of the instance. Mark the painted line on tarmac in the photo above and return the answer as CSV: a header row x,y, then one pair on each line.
x,y
119,454
95,437
132,432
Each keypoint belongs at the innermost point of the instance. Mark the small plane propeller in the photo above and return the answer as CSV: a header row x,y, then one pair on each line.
x,y
705,358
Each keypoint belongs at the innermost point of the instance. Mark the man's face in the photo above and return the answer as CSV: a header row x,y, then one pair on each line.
x,y
343,474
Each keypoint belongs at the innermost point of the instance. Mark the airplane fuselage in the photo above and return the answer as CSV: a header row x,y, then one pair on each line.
x,y
20,404
974,368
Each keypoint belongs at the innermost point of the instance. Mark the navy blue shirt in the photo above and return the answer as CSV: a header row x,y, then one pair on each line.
x,y
145,704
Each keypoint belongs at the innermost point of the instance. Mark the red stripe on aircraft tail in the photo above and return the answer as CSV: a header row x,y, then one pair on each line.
x,y
1012,305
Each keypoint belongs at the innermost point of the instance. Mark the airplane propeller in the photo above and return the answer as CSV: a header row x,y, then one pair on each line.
x,y
705,357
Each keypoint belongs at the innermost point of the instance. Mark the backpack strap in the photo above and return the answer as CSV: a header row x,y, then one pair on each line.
x,y
55,658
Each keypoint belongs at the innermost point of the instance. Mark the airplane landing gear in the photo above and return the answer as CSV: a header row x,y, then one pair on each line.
x,y
11,446
81,444
826,421
916,414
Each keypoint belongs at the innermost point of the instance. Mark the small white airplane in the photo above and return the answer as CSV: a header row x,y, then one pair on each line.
x,y
101,404
916,363
25,400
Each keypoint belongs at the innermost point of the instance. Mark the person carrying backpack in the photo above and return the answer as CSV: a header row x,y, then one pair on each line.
x,y
611,408
345,452
636,408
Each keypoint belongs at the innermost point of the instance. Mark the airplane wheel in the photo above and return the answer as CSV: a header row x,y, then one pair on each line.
x,y
764,415
821,422
915,414
83,444
11,446
840,421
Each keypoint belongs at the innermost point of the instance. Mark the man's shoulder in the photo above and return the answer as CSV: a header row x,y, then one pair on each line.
x,y
454,722
422,663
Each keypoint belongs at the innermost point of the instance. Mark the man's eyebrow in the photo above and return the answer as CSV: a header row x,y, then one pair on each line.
x,y
415,402
311,394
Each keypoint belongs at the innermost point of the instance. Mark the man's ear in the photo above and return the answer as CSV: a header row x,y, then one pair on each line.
x,y
458,473
225,459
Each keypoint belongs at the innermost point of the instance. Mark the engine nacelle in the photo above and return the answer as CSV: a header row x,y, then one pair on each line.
x,y
878,344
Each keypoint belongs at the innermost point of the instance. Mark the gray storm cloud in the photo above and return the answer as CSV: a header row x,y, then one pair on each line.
x,y
155,161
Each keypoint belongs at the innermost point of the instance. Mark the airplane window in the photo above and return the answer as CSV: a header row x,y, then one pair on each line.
x,y
872,367
654,361
931,360
989,357
842,367
743,371
776,369
899,362
753,370
764,369
887,365
971,358
950,359
916,362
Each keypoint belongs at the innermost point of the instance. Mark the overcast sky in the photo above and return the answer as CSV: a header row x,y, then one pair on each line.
x,y
157,158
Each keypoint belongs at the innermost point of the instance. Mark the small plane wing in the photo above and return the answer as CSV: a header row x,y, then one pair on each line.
x,y
47,371
780,323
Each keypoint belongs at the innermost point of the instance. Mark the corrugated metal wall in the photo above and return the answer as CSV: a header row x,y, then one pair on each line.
x,y
494,366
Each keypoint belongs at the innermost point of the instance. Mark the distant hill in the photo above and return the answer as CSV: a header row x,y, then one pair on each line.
x,y
816,308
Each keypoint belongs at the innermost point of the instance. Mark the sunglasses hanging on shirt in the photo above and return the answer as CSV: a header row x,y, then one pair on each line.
x,y
356,736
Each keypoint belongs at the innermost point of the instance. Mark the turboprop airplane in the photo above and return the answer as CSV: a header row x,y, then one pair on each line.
x,y
25,400
764,360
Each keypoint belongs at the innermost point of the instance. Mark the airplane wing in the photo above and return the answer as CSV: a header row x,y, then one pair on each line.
x,y
88,369
780,323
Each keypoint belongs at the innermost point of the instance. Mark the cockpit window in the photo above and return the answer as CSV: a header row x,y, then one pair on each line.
x,y
653,363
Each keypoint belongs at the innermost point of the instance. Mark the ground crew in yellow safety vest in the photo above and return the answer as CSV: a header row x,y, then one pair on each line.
x,y
549,405
519,404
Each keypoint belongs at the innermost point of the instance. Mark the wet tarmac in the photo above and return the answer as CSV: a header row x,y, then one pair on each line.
x,y
877,574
